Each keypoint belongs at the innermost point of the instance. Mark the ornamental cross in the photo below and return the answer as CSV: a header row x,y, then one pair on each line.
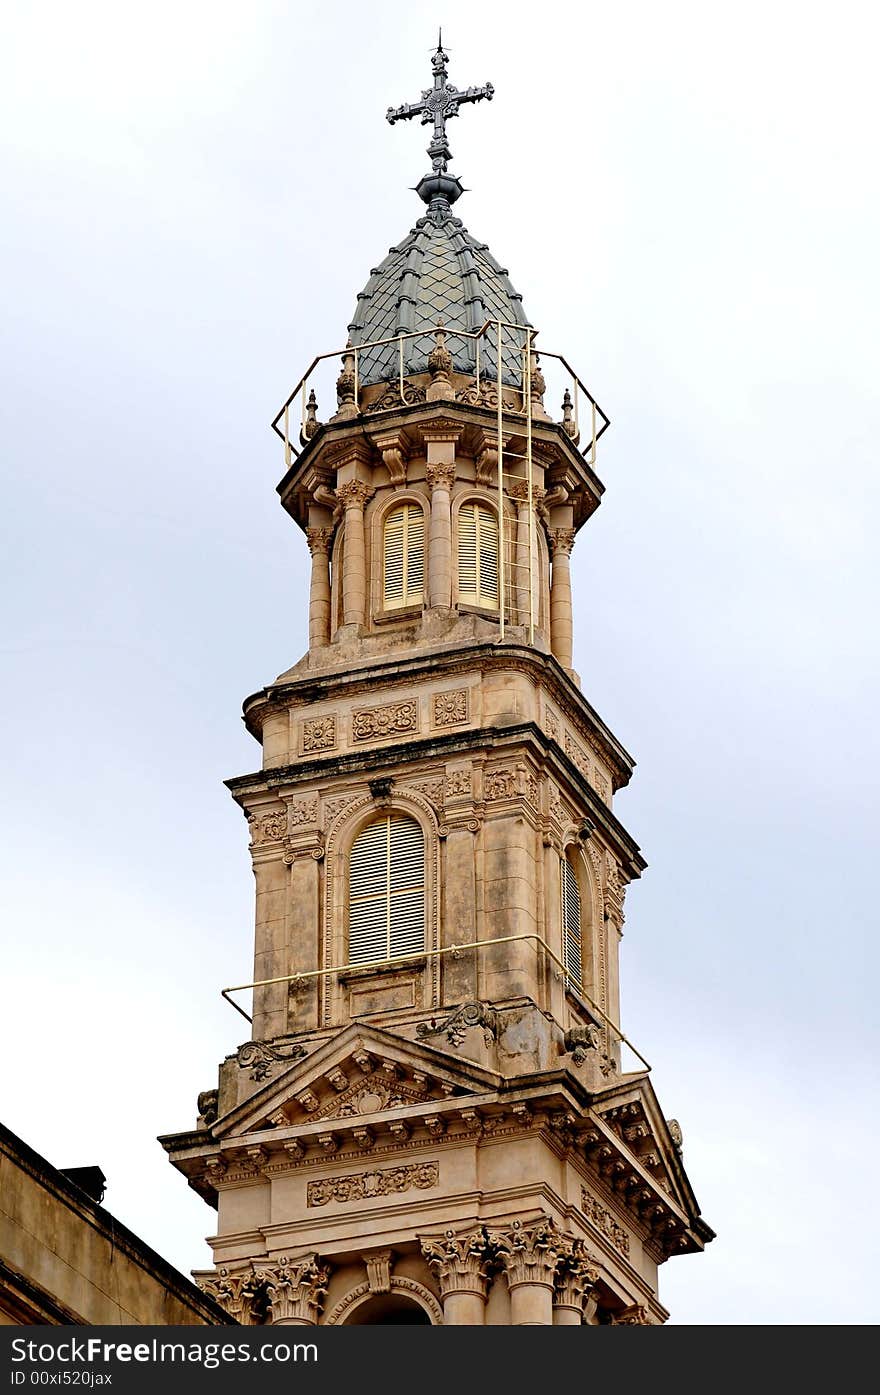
x,y
439,104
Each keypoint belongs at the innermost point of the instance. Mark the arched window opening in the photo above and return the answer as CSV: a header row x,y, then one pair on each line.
x,y
386,901
572,944
478,555
403,577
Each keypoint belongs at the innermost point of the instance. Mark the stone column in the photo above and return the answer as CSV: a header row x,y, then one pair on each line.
x,y
562,541
353,496
296,1289
319,590
440,476
519,492
530,1255
461,1265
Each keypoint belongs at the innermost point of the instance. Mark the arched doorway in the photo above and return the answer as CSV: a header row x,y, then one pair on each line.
x,y
388,1308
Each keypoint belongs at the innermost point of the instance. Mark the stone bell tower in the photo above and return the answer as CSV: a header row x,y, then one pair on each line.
x,y
437,1117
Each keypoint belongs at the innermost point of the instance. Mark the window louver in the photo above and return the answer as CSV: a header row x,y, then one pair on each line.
x,y
404,557
478,555
571,925
387,891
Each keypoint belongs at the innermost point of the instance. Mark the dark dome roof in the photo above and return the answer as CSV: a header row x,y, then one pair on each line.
x,y
439,272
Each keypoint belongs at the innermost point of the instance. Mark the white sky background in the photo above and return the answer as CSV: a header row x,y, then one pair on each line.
x,y
687,197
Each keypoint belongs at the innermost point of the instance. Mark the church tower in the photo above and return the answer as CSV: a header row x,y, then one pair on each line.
x,y
437,1117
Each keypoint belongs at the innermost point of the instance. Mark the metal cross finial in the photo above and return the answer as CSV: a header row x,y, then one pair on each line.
x,y
439,104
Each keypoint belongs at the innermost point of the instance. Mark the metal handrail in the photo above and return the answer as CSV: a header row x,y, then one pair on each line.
x,y
455,951
477,335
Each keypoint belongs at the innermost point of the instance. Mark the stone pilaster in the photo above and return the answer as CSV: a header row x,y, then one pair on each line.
x,y
319,590
440,475
561,624
461,1265
296,1289
530,1255
353,496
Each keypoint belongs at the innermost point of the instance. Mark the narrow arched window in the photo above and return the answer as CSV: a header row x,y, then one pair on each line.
x,y
572,944
478,555
386,890
403,578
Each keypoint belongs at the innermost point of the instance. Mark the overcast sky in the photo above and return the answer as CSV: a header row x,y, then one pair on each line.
x,y
687,197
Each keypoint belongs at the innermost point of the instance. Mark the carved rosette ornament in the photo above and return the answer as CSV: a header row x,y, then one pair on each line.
x,y
461,1262
237,1293
296,1289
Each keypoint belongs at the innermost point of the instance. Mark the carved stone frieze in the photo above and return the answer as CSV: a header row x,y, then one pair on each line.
x,y
604,1221
301,812
397,719
360,1186
319,734
450,708
455,1027
267,828
499,784
458,784
262,1057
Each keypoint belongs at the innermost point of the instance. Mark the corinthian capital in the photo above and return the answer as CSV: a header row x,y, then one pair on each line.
x,y
319,539
440,476
461,1262
561,541
354,494
576,1275
530,1253
236,1292
296,1288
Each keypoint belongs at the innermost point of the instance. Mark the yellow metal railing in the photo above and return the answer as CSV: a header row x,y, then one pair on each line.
x,y
455,951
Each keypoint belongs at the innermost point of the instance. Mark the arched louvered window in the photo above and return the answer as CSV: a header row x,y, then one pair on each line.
x,y
478,555
572,945
403,577
386,890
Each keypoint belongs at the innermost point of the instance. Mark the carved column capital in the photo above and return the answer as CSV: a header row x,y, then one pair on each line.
x,y
561,541
354,494
296,1289
319,540
461,1262
576,1276
636,1316
236,1292
530,1254
440,476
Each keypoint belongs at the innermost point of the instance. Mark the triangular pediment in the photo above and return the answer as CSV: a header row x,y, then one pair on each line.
x,y
630,1109
360,1073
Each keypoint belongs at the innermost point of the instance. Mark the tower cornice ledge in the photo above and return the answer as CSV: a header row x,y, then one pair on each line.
x,y
368,676
319,458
